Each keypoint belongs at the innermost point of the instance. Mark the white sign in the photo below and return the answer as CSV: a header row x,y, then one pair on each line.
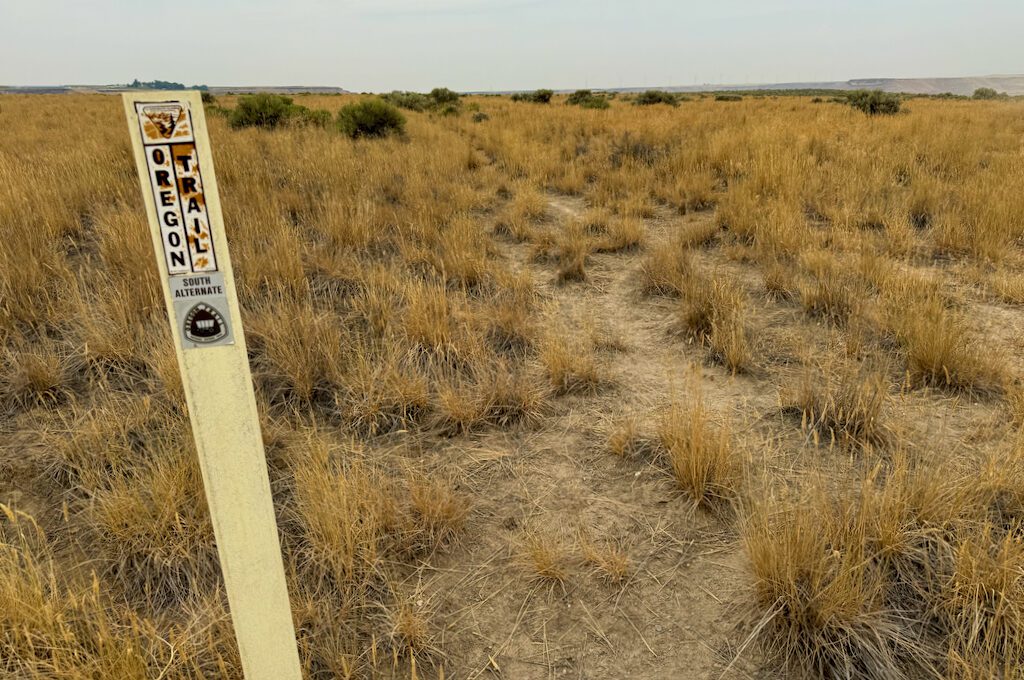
x,y
172,154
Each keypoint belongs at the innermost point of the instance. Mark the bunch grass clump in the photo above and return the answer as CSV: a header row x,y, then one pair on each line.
x,y
699,453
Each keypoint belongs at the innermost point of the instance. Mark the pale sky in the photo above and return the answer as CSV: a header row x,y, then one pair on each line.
x,y
380,45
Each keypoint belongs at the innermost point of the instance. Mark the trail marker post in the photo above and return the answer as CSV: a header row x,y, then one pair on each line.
x,y
172,154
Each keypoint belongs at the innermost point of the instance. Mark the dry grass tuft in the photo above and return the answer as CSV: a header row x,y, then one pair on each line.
x,y
571,364
666,269
700,453
831,292
575,246
621,235
823,611
36,377
627,439
546,557
917,573
940,349
847,404
713,313
609,560
1015,402
154,528
780,281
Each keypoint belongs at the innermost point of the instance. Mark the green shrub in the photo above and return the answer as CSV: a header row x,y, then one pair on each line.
x,y
480,117
874,102
655,97
261,110
595,103
728,98
536,97
588,100
208,97
988,93
542,96
316,117
578,97
450,110
442,96
413,101
370,118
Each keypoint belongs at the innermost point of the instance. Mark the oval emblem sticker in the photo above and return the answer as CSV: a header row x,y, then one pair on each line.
x,y
203,323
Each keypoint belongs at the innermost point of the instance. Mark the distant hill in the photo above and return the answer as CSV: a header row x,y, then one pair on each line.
x,y
161,85
1010,84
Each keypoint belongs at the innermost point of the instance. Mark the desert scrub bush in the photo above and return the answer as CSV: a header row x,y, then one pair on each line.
x,y
587,99
699,452
413,101
535,97
598,103
261,110
442,96
988,93
313,117
578,97
874,102
649,97
370,118
728,98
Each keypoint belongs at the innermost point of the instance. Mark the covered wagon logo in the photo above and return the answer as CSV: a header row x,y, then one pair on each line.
x,y
165,121
204,324
164,116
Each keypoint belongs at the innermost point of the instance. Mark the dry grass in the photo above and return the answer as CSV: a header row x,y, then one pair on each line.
x,y
939,345
699,452
666,269
713,313
392,293
609,560
546,557
917,572
847,404
571,363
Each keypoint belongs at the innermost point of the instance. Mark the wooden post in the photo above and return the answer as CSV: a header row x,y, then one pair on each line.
x,y
172,154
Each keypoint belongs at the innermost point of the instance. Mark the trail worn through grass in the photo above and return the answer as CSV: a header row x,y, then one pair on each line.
x,y
667,613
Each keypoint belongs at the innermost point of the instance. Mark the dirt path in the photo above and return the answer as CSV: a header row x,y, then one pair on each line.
x,y
672,617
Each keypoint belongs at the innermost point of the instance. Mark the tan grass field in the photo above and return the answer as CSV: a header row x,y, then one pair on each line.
x,y
727,390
